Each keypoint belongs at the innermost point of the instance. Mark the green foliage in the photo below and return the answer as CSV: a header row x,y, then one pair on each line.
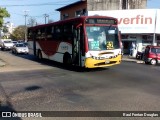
x,y
19,33
32,22
4,37
5,30
3,14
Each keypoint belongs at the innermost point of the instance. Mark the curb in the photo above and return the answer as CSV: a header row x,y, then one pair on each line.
x,y
134,61
131,60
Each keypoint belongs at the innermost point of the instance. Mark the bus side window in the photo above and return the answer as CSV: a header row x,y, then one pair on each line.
x,y
30,34
58,33
40,34
49,33
67,32
53,32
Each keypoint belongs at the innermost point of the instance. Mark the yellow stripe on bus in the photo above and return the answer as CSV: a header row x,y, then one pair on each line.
x,y
93,63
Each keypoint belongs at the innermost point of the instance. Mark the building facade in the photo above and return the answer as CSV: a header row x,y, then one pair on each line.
x,y
10,26
115,4
82,6
7,29
73,10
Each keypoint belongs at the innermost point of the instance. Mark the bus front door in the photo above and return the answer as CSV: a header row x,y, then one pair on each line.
x,y
76,57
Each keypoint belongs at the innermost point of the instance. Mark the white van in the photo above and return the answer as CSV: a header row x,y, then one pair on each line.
x,y
6,44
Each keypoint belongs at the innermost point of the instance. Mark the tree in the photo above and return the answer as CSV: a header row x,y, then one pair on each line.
x,y
19,33
3,14
5,32
5,29
32,21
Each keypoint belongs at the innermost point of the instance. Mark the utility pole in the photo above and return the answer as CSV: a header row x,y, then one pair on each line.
x,y
154,34
46,16
120,4
25,16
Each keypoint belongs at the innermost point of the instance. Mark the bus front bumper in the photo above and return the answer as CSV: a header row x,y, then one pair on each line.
x,y
93,63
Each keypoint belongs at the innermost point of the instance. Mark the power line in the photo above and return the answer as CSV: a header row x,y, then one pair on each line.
x,y
37,16
29,5
51,13
16,14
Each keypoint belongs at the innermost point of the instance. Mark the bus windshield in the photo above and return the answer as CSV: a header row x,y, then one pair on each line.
x,y
102,37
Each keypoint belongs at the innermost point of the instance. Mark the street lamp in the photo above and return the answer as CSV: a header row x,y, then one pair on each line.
x,y
25,15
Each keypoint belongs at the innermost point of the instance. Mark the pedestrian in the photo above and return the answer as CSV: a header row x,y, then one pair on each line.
x,y
131,50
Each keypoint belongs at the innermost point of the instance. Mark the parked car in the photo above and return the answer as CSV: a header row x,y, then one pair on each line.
x,y
152,55
20,48
25,43
6,44
14,42
20,41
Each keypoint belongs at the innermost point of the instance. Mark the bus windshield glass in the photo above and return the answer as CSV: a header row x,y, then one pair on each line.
x,y
102,37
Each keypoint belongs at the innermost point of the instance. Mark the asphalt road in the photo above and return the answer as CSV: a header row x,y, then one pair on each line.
x,y
30,85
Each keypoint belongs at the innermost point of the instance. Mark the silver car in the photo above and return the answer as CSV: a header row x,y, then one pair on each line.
x,y
20,48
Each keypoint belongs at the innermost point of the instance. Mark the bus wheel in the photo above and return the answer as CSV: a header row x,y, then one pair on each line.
x,y
153,62
39,55
2,49
67,60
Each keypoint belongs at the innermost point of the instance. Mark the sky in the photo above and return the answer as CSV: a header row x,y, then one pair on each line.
x,y
34,8
37,8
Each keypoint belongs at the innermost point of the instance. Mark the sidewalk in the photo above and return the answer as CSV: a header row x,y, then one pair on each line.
x,y
131,59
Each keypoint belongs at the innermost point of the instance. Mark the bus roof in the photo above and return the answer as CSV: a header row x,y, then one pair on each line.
x,y
82,18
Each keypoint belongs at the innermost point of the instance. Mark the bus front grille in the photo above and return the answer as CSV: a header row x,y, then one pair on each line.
x,y
103,63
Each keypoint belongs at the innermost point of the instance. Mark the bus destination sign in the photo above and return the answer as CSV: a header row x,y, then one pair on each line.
x,y
101,21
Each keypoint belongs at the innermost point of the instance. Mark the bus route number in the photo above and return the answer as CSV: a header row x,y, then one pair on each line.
x,y
109,45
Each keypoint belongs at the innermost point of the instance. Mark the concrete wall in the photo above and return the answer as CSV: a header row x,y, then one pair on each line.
x,y
102,5
137,4
115,4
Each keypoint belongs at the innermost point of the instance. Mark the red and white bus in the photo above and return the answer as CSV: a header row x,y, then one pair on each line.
x,y
87,41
